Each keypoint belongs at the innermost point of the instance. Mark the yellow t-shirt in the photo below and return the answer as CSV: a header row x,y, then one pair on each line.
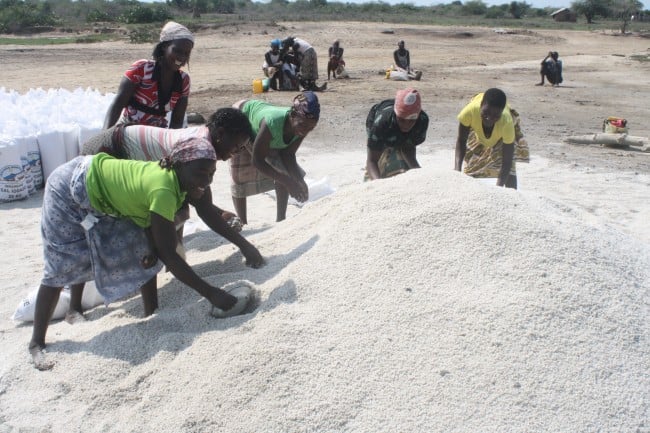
x,y
504,128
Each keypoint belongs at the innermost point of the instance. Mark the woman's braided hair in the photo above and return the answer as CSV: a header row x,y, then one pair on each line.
x,y
159,50
232,120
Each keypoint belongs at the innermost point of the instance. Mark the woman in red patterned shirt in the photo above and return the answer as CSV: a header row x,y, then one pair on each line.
x,y
152,88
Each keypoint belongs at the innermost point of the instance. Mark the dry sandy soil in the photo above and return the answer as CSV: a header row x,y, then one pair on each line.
x,y
602,79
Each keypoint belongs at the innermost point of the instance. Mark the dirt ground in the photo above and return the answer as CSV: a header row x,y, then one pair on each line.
x,y
601,78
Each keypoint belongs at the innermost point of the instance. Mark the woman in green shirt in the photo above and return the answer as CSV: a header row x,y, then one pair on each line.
x,y
227,129
108,220
269,162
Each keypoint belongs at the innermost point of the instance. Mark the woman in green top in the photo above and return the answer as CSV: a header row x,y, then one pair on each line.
x,y
108,220
270,160
227,129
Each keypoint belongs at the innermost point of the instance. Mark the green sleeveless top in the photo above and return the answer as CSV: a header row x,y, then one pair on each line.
x,y
274,116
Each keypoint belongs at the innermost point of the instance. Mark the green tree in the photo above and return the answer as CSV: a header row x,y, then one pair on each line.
x,y
518,9
497,11
474,7
17,15
199,7
222,6
139,14
183,5
591,8
624,9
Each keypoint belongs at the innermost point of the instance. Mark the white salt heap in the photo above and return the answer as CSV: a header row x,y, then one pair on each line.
x,y
427,302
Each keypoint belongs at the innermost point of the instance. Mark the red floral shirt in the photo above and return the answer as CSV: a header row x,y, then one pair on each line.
x,y
146,93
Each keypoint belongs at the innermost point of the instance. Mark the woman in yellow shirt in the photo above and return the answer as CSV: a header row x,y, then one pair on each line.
x,y
488,133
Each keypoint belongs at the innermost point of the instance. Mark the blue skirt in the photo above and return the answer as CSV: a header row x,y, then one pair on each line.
x,y
108,250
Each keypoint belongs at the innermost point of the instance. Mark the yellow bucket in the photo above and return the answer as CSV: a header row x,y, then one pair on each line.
x,y
258,87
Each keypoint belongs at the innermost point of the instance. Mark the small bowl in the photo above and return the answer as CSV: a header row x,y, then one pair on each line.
x,y
243,295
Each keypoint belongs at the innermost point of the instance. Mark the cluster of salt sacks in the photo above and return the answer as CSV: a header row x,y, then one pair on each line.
x,y
42,129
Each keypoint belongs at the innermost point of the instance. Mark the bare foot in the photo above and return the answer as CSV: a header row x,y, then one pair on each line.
x,y
539,84
73,317
38,358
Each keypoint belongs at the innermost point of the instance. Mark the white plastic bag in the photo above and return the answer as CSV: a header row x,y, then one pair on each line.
x,y
26,307
317,189
13,183
25,310
399,76
91,297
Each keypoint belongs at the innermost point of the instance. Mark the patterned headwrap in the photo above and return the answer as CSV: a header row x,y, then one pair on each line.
x,y
408,104
173,31
306,104
188,150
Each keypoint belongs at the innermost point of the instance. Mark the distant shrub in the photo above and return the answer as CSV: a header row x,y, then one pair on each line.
x,y
17,15
96,15
180,4
474,7
518,9
405,8
89,39
144,35
139,14
451,9
34,15
222,6
538,12
497,11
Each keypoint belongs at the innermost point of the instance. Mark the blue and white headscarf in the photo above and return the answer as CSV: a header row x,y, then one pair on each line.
x,y
306,104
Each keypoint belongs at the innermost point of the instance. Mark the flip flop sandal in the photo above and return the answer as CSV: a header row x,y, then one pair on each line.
x,y
243,295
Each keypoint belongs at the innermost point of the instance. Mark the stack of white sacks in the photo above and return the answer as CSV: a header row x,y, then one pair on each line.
x,y
39,131
42,129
